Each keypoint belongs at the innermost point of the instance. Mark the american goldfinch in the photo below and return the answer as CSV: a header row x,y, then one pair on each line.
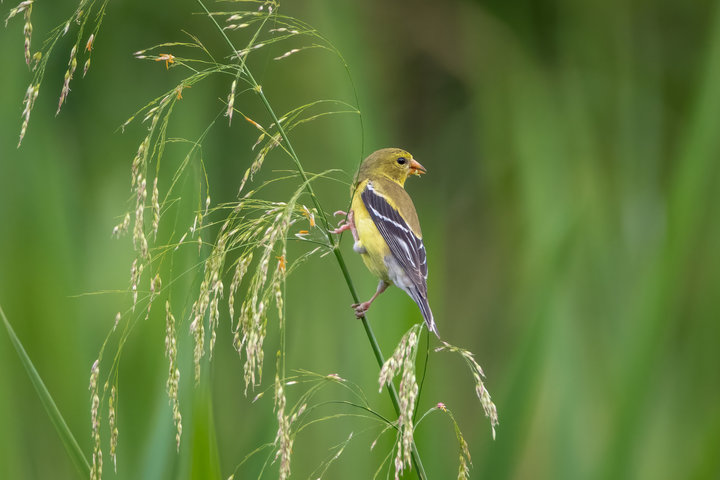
x,y
385,226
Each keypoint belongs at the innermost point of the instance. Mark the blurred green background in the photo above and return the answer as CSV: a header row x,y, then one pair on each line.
x,y
568,212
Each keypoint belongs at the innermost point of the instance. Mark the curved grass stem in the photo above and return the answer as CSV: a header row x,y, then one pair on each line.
x,y
417,462
68,439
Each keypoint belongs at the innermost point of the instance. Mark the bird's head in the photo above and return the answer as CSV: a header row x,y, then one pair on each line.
x,y
393,163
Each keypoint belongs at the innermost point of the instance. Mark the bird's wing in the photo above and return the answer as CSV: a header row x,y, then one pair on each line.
x,y
405,243
407,247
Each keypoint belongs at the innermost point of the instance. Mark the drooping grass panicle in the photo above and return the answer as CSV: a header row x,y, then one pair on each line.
x,y
283,438
83,15
25,8
72,65
28,103
464,459
482,393
402,362
87,10
211,291
302,413
22,7
250,329
97,462
172,384
112,425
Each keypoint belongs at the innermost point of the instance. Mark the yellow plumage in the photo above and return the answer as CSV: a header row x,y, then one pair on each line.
x,y
374,245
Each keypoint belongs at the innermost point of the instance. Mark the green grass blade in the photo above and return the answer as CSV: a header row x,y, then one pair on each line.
x,y
71,444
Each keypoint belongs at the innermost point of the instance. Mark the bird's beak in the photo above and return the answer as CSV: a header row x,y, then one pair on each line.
x,y
416,168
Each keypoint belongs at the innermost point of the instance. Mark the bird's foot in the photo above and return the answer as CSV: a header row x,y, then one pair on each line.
x,y
361,308
342,227
346,223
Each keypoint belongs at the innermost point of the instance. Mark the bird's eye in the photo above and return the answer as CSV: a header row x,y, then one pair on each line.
x,y
401,160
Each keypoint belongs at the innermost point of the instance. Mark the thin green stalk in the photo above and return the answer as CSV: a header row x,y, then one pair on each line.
x,y
71,444
338,255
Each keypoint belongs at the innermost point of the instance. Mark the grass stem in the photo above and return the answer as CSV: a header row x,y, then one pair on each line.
x,y
71,444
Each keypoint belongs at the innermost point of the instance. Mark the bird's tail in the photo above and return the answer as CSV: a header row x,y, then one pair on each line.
x,y
422,302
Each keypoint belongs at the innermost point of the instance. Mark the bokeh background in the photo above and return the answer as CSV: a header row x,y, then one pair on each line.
x,y
569,214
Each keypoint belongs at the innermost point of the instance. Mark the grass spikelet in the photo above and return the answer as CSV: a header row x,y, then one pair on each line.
x,y
241,267
96,468
283,440
155,202
21,8
277,284
72,65
173,381
28,104
112,424
464,457
135,273
122,227
26,9
138,160
478,375
231,102
139,238
197,330
27,28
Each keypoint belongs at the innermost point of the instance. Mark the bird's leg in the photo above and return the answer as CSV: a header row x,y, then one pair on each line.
x,y
361,308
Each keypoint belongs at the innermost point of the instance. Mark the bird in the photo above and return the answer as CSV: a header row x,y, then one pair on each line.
x,y
386,230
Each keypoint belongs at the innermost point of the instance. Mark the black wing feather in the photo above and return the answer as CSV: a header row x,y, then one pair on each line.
x,y
407,249
404,245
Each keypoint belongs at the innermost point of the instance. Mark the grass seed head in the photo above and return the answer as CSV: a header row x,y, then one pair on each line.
x,y
72,65
155,201
28,104
283,438
112,424
173,381
96,469
482,393
403,362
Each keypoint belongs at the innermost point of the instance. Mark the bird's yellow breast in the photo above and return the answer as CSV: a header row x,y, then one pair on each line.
x,y
376,249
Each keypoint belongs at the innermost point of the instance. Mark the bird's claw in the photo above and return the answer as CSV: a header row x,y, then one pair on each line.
x,y
360,309
342,226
